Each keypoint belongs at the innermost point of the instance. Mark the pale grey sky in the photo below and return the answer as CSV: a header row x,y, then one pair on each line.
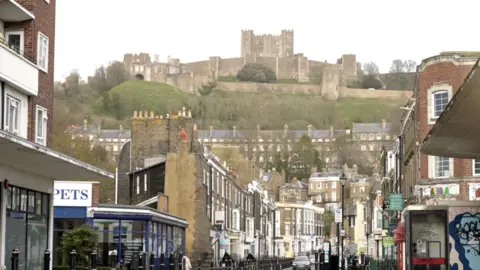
x,y
93,32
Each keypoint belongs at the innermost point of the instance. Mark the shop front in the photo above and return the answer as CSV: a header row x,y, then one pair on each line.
x,y
125,229
28,171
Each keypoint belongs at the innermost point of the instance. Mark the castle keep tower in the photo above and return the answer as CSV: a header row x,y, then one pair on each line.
x,y
267,45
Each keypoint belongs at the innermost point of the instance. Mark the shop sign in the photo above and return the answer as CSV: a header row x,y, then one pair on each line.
x,y
72,194
396,202
388,241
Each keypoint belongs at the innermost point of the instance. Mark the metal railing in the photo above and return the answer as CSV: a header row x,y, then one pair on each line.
x,y
17,50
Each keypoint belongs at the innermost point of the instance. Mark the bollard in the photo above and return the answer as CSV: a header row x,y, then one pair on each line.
x,y
180,261
171,262
86,264
46,259
211,265
113,259
141,260
93,260
199,264
152,261
15,254
162,261
72,259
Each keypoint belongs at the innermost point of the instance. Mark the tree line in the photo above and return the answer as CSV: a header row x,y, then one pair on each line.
x,y
399,77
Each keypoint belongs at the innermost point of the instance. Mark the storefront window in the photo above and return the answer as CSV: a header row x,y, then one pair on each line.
x,y
108,238
61,225
162,238
177,240
134,238
26,227
152,239
428,239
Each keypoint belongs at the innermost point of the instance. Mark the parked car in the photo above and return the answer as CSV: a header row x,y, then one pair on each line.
x,y
301,263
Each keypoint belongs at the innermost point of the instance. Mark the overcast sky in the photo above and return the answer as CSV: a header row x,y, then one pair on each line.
x,y
93,32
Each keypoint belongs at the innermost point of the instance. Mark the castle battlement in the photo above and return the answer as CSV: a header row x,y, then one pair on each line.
x,y
151,115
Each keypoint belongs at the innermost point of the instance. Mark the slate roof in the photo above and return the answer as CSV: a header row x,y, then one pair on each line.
x,y
266,134
101,133
371,127
327,174
298,184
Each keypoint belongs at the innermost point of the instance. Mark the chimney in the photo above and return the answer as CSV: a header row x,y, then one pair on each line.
x,y
211,131
85,124
234,131
309,130
353,125
121,128
285,130
355,169
332,132
99,127
384,124
294,180
184,112
258,131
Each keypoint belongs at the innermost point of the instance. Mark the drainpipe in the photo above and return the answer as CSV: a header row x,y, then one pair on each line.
x,y
2,88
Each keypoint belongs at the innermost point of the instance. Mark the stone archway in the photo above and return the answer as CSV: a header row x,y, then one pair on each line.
x,y
140,77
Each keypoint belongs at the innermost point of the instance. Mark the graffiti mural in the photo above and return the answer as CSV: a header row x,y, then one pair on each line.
x,y
474,191
445,191
464,231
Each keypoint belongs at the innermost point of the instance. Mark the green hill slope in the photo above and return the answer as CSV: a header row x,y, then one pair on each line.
x,y
246,110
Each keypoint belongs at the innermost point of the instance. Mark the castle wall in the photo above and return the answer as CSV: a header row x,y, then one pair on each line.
x,y
269,87
200,67
365,93
230,66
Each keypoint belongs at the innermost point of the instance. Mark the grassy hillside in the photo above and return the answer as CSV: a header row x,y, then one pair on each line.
x,y
246,110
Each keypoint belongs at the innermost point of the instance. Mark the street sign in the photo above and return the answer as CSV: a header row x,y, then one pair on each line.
x,y
396,202
338,215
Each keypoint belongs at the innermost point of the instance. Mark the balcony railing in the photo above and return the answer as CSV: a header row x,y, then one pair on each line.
x,y
19,51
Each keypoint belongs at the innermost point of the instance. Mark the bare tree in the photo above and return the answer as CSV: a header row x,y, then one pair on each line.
x,y
398,66
410,65
370,68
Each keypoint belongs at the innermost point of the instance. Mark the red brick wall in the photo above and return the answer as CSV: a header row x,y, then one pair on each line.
x,y
443,72
45,23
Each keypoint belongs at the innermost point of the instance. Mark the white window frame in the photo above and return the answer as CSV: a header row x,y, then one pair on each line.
x,y
432,167
436,89
40,52
42,138
12,32
334,196
363,147
473,167
17,104
334,184
138,184
145,183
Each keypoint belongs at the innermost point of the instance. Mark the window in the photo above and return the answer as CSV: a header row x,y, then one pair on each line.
x,y
15,40
334,196
379,219
42,52
145,182
363,147
371,136
442,167
371,147
138,184
12,109
115,148
476,167
235,220
363,136
351,221
334,184
287,229
41,126
26,226
440,101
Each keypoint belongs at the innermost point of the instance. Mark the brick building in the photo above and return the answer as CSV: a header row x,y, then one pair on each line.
x,y
27,166
438,78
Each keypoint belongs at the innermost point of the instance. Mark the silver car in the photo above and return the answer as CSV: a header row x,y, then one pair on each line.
x,y
301,263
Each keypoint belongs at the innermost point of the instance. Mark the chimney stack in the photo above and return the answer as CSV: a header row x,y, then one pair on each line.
x,y
285,130
258,131
384,124
234,131
85,124
121,128
332,132
309,130
211,131
99,127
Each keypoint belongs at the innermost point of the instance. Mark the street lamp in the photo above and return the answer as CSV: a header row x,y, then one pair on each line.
x,y
343,181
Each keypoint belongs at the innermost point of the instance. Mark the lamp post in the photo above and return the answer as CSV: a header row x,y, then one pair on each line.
x,y
343,181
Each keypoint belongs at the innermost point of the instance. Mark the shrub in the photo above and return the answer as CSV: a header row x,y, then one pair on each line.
x,y
255,72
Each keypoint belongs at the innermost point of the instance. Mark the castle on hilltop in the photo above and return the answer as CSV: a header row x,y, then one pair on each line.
x,y
274,51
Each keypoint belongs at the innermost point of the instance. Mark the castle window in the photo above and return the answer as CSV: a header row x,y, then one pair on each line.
x,y
363,136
